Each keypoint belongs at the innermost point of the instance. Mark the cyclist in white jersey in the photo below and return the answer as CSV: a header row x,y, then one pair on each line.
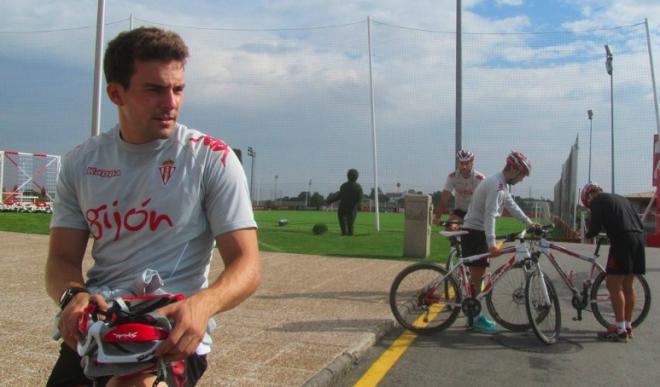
x,y
488,202
151,194
462,183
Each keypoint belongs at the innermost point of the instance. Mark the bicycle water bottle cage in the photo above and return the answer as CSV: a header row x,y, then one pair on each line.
x,y
123,339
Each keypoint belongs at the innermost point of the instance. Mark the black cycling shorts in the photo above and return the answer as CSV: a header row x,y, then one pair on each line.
x,y
68,373
627,255
473,243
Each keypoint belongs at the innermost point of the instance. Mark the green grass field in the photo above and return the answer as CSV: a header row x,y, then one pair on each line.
x,y
297,236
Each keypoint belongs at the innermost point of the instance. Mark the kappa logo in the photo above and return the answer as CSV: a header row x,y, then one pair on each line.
x,y
93,171
216,145
167,170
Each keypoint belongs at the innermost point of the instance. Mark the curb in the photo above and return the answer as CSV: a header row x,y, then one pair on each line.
x,y
338,367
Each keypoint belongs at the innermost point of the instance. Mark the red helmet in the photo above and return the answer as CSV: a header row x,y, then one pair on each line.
x,y
520,162
588,190
464,155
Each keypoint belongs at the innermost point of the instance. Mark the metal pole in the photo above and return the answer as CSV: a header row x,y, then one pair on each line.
x,y
309,191
98,58
610,71
655,96
373,127
130,22
590,114
459,81
275,190
252,154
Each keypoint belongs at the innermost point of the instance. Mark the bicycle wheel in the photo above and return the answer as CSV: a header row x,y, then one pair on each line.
x,y
544,317
506,303
601,304
424,299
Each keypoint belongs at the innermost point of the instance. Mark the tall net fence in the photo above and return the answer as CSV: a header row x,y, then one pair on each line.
x,y
301,99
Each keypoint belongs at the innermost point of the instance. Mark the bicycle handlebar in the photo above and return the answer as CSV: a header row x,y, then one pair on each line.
x,y
536,231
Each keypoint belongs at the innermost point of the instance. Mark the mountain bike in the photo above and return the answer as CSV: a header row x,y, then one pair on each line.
x,y
506,302
590,293
427,298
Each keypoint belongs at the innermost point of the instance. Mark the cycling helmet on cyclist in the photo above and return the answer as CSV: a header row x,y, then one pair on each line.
x,y
520,162
585,195
464,155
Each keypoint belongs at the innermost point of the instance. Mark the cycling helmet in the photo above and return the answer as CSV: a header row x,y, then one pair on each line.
x,y
464,155
588,189
520,162
124,342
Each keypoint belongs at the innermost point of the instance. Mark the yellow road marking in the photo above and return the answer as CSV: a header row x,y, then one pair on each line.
x,y
380,367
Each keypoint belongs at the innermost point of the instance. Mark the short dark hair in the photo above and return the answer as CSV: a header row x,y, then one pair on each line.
x,y
143,43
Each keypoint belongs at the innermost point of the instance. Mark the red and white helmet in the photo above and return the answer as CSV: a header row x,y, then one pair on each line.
x,y
588,189
126,340
520,162
464,155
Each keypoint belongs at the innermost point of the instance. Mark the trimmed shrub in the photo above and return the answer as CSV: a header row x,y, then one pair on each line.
x,y
319,229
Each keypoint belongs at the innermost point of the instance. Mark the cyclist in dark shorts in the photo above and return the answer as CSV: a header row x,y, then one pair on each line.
x,y
462,182
489,200
624,228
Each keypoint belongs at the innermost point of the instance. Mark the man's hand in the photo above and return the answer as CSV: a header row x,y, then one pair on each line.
x,y
70,317
190,319
494,251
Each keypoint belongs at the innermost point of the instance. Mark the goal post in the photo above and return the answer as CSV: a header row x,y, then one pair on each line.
x,y
28,177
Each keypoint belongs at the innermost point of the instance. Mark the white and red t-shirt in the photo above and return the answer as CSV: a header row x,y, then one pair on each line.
x,y
489,201
153,206
463,187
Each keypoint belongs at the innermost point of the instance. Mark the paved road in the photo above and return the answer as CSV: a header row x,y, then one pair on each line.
x,y
519,359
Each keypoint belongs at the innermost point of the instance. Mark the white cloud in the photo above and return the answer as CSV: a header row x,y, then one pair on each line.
x,y
514,3
307,89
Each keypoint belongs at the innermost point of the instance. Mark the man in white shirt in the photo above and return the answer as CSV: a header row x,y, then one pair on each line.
x,y
153,195
489,200
462,182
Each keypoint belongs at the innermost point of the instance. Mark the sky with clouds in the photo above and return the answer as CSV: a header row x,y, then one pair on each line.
x,y
291,79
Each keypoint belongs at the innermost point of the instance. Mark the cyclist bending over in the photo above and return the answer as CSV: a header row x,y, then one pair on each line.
x,y
489,200
462,182
626,257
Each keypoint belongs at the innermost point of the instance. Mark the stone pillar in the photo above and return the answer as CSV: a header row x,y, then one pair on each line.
x,y
417,228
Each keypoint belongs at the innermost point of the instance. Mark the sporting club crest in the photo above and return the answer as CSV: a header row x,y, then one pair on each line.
x,y
167,170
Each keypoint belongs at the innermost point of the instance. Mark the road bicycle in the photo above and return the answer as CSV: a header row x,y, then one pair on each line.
x,y
591,293
427,298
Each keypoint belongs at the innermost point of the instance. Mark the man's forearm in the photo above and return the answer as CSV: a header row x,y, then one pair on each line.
x,y
61,275
236,283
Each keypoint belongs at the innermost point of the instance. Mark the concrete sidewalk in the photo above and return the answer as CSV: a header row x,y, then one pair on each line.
x,y
311,317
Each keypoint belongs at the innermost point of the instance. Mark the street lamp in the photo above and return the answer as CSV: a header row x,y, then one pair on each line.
x,y
608,67
590,114
309,192
275,190
252,154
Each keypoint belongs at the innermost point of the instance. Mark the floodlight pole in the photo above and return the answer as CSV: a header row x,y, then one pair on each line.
x,y
275,190
373,125
590,114
309,192
252,155
98,58
459,81
610,71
